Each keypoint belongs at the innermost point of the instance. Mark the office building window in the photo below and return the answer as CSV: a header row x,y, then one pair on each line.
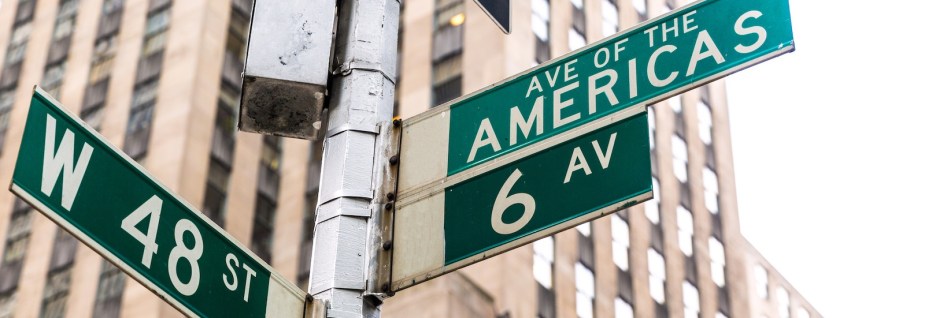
x,y
61,42
620,234
679,157
705,122
685,231
652,206
51,80
783,303
610,17
54,297
109,291
111,18
691,299
64,27
101,64
711,190
98,83
675,104
543,260
12,64
761,281
543,256
577,35
139,122
584,285
656,276
640,6
717,261
623,309
17,241
223,133
141,113
540,25
267,195
58,281
449,18
575,40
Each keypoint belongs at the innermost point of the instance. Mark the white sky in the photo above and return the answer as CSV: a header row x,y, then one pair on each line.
x,y
828,148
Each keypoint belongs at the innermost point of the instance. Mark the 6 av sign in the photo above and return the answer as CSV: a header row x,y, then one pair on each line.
x,y
564,142
72,175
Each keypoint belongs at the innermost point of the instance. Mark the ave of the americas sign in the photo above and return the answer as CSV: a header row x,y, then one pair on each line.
x,y
564,142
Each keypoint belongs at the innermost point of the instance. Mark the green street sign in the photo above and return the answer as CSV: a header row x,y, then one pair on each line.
x,y
459,162
71,174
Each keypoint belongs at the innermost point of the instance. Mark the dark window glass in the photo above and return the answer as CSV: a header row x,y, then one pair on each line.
x,y
625,285
25,11
262,236
54,297
586,251
690,270
657,238
62,255
109,293
447,91
661,311
717,228
542,50
578,20
546,302
722,299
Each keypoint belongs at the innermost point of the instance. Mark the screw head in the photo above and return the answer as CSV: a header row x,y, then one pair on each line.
x,y
388,206
396,122
385,287
390,196
393,160
387,245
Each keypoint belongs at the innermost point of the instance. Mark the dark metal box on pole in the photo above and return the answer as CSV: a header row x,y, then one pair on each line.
x,y
287,67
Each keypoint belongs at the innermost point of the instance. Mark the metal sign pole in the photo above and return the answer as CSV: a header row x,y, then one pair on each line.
x,y
362,97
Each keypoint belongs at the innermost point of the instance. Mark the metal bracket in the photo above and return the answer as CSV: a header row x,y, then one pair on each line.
x,y
347,67
327,214
388,146
349,127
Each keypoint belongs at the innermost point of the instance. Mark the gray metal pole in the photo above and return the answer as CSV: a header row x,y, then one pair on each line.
x,y
362,97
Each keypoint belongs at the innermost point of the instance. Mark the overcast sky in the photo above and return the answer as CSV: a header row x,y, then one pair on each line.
x,y
828,148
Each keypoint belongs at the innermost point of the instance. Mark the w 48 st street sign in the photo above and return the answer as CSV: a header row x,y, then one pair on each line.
x,y
564,142
81,182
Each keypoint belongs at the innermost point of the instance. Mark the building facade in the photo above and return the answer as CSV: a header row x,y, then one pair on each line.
x,y
161,79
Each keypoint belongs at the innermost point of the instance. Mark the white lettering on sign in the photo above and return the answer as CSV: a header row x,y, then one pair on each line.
x,y
558,105
616,78
535,120
191,254
233,285
485,137
54,163
152,209
704,39
607,89
658,82
579,162
758,30
504,201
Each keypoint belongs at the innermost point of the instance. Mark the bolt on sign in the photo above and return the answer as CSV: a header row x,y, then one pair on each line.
x,y
562,143
71,174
